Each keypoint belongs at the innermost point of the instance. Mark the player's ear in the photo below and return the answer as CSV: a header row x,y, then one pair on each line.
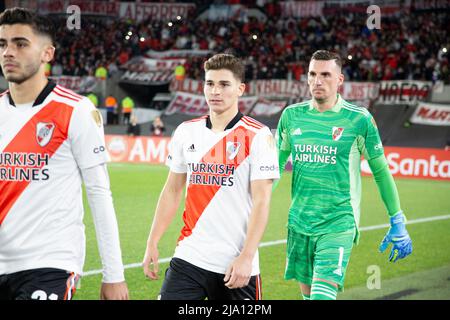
x,y
48,52
241,89
341,79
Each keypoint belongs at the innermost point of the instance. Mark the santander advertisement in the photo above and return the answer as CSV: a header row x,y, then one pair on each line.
x,y
403,162
415,163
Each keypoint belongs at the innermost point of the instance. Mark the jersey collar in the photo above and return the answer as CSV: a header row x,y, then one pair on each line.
x,y
41,97
336,108
230,125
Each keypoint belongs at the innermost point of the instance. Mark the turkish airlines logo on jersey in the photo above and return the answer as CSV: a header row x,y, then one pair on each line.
x,y
232,149
44,132
337,133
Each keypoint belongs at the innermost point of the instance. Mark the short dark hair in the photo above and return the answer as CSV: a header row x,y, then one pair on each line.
x,y
41,25
228,62
327,55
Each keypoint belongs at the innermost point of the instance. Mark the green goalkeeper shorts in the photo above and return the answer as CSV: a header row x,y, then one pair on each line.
x,y
325,256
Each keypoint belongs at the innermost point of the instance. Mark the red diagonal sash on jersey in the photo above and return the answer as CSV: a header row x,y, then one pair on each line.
x,y
26,140
199,196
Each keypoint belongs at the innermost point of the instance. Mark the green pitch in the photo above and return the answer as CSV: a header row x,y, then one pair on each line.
x,y
423,275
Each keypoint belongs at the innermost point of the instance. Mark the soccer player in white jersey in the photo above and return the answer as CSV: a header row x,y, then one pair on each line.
x,y
228,162
50,140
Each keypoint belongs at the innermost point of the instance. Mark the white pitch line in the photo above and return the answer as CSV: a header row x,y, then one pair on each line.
x,y
283,241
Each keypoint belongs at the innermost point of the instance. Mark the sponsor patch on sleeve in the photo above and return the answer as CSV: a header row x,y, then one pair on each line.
x,y
97,116
271,141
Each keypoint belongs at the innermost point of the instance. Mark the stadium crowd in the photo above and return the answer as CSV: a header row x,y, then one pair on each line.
x,y
407,46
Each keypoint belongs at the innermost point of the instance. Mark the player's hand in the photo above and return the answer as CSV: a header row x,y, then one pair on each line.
x,y
398,235
114,291
238,273
151,258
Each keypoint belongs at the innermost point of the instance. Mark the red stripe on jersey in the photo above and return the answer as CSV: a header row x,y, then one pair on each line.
x,y
3,93
196,119
69,92
26,141
59,93
253,121
199,196
251,124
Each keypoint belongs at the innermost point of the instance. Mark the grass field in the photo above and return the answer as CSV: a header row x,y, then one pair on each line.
x,y
423,275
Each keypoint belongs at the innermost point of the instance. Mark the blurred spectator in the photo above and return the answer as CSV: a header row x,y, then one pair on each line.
x,y
93,97
134,129
127,105
180,71
57,69
101,73
157,128
111,105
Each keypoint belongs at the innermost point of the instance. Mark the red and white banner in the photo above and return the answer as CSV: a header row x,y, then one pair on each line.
x,y
176,54
75,83
267,108
297,9
196,105
431,114
415,163
360,90
151,78
278,88
142,64
90,7
143,149
187,85
155,11
387,7
431,4
402,92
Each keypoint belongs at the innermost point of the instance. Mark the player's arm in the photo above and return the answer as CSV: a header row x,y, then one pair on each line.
x,y
397,233
283,145
88,148
99,196
167,206
385,184
263,170
239,272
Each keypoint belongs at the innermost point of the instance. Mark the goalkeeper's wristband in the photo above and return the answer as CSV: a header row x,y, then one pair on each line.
x,y
399,217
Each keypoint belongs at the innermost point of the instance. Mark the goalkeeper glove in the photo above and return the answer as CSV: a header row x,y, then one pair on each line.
x,y
398,235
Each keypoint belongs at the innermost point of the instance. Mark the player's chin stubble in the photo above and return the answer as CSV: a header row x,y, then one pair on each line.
x,y
29,72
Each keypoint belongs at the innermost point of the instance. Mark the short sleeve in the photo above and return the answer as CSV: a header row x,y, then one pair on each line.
x,y
263,156
176,160
87,136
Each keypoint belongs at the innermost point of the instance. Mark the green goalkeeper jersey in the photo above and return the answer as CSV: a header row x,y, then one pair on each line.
x,y
326,149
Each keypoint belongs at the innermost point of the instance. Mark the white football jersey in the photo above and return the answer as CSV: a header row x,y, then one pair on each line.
x,y
42,149
219,167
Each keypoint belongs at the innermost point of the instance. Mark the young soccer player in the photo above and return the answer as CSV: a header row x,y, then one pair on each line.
x,y
227,161
50,140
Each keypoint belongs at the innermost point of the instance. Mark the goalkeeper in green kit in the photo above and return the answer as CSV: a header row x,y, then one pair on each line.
x,y
326,137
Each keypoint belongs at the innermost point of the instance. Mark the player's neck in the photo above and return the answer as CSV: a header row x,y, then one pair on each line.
x,y
28,90
325,105
219,121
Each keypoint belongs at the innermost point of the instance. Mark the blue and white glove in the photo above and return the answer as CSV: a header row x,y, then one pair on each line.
x,y
398,235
